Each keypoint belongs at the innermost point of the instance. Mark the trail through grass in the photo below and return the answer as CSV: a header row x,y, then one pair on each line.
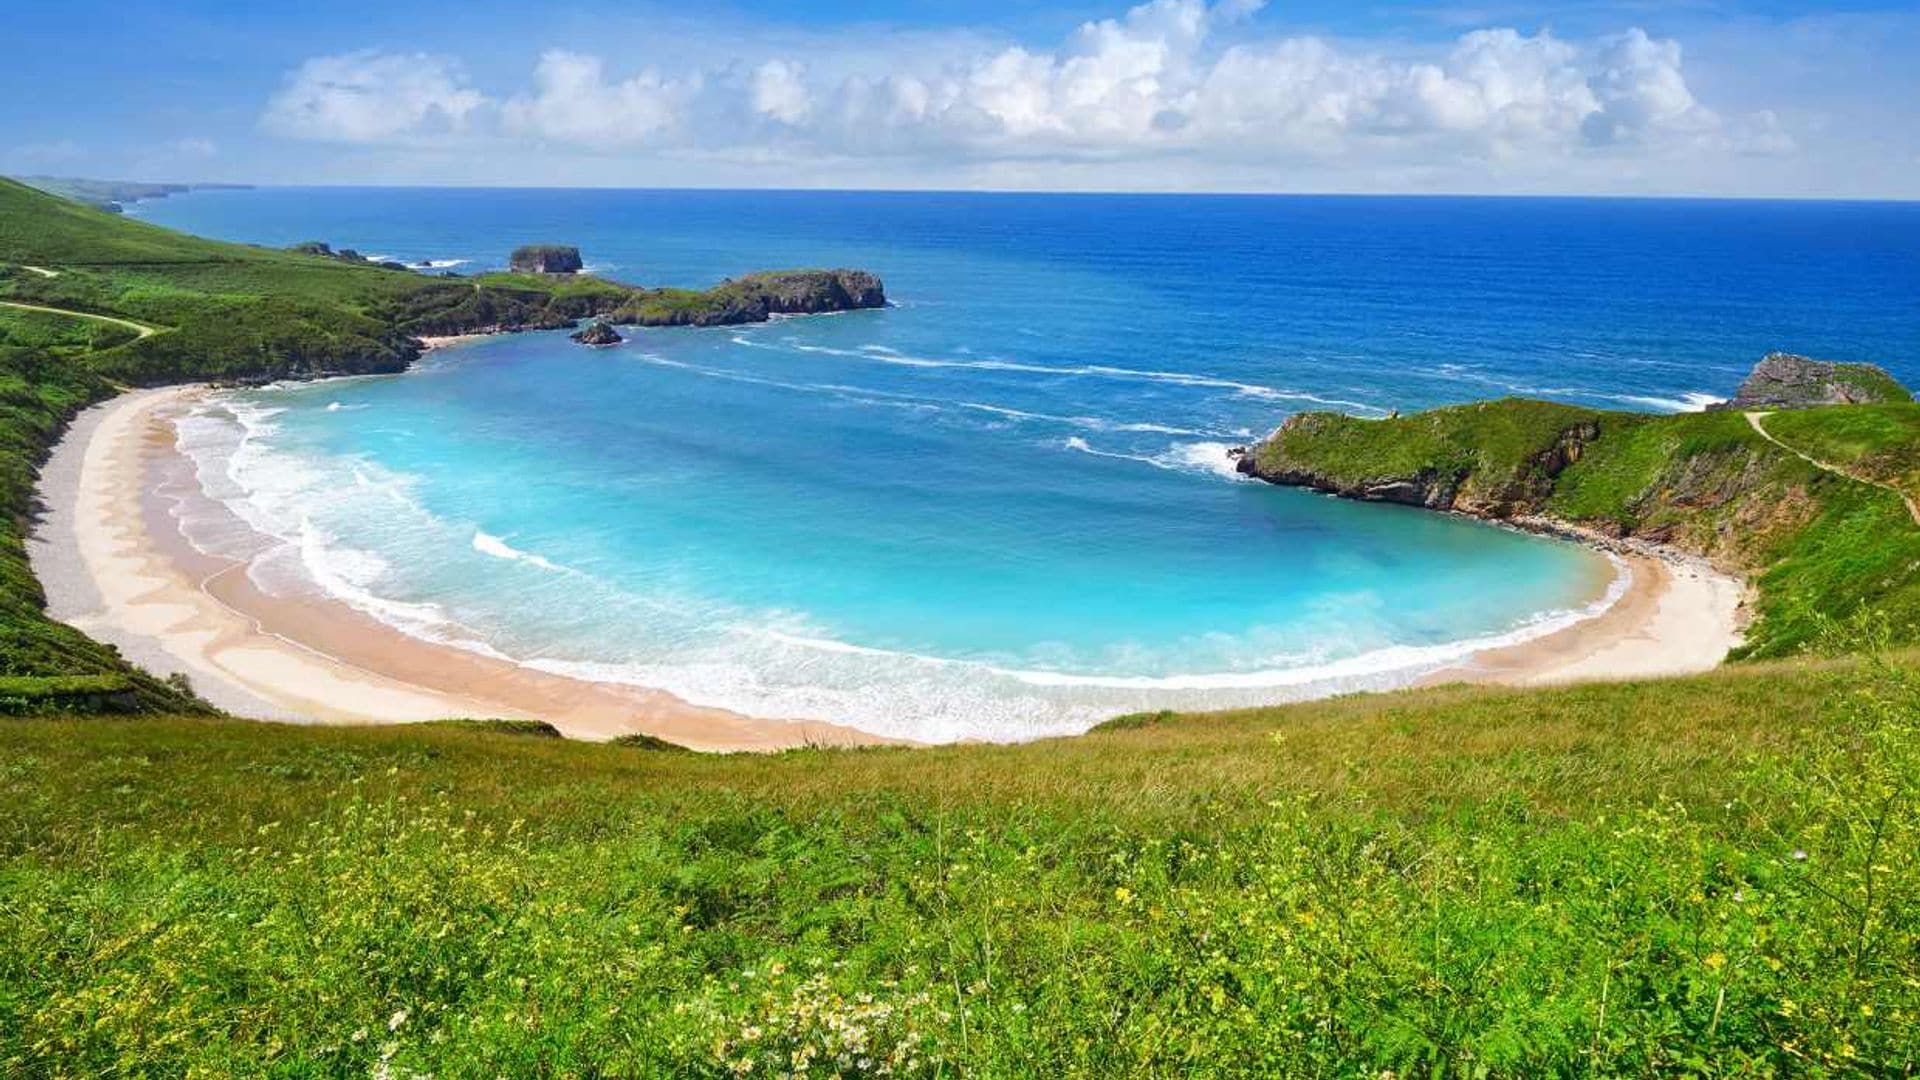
x,y
1913,509
140,330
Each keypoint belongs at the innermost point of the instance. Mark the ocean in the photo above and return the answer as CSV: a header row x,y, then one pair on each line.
x,y
1000,508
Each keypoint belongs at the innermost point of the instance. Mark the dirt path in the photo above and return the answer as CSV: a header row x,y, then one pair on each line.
x,y
41,270
139,328
1754,418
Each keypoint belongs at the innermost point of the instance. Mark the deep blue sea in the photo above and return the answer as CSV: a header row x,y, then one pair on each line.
x,y
1000,508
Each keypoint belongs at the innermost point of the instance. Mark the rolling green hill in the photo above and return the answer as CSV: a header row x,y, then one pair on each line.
x,y
1717,875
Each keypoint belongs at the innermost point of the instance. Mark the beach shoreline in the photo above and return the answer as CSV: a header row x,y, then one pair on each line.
x,y
115,563
1675,616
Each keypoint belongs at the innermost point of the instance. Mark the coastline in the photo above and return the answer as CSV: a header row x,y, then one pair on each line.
x,y
113,563
1676,616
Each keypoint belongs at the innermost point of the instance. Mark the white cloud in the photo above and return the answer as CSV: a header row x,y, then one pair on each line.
x,y
370,96
573,102
780,91
1167,81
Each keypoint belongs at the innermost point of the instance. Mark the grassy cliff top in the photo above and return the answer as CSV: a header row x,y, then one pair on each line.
x,y
1820,542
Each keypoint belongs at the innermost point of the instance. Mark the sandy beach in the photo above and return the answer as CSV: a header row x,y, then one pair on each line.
x,y
1676,616
116,564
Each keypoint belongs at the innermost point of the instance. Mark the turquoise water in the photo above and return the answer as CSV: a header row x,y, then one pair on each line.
x,y
1002,507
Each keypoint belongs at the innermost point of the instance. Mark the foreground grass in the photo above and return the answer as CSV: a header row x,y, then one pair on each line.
x,y
1705,875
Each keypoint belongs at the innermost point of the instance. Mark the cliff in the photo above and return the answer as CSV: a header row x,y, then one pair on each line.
x,y
755,298
1787,381
545,259
1819,541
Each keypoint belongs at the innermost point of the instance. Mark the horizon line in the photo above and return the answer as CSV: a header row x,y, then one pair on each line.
x,y
1105,192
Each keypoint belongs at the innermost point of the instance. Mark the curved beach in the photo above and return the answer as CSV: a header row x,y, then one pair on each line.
x,y
116,565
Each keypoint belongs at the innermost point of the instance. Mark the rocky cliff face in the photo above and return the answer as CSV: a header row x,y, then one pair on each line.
x,y
1450,470
545,259
1787,381
756,298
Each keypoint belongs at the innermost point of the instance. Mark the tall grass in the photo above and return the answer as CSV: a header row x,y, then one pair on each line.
x,y
1711,875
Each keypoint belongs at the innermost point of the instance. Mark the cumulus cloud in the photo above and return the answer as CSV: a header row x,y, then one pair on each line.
x,y
573,101
1168,78
780,91
370,96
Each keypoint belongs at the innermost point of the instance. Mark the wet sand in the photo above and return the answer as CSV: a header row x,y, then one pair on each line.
x,y
115,564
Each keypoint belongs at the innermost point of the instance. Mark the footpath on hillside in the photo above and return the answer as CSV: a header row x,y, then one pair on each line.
x,y
142,329
1755,418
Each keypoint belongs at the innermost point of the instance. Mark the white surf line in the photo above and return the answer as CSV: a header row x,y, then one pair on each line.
x,y
1754,418
142,329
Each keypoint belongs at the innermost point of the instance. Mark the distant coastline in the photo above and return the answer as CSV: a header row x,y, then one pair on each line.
x,y
113,196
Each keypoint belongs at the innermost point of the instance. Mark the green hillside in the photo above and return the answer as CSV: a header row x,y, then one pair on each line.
x,y
1710,876
1820,544
1706,876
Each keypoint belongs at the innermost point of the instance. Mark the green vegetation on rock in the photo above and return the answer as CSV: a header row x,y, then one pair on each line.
x,y
1820,545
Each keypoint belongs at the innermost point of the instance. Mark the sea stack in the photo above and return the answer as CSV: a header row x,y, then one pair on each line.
x,y
545,259
597,334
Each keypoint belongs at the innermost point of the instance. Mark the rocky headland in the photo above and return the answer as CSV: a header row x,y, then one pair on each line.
x,y
1711,485
755,298
1789,381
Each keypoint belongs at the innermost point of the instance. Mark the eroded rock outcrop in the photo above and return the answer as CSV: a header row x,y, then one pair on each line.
x,y
1442,460
598,334
1789,381
756,298
545,259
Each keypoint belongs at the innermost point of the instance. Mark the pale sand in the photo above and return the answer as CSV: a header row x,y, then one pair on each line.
x,y
1676,617
443,341
114,563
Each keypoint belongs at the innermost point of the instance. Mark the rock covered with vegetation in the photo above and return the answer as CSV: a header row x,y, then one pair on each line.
x,y
756,298
1492,459
326,251
1820,543
545,259
1789,381
597,333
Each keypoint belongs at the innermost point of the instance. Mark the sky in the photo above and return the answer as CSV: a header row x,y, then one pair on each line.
x,y
1635,97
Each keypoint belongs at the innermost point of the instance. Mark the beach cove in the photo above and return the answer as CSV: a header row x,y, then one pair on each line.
x,y
115,563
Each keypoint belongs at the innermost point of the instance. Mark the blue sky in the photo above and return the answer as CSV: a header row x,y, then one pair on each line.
x,y
1702,97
